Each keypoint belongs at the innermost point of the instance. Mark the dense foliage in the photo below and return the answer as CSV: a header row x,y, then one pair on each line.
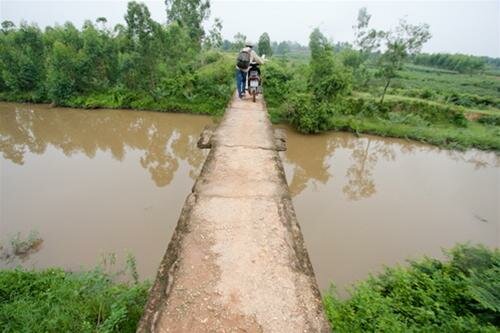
x,y
57,301
458,295
264,45
142,65
455,62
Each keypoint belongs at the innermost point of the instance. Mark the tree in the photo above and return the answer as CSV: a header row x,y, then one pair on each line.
x,y
140,62
405,40
227,45
101,21
264,45
7,26
328,78
367,40
99,59
62,73
191,14
178,50
239,41
22,59
283,48
214,38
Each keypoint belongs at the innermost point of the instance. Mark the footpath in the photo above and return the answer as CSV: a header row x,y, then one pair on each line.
x,y
237,260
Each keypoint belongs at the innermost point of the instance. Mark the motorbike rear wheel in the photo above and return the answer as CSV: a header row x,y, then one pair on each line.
x,y
254,95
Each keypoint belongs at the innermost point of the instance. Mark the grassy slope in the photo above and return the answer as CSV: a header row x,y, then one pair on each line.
x,y
473,95
417,90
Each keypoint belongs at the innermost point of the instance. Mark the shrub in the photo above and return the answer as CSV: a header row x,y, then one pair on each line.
x,y
58,301
328,78
276,79
308,115
430,112
458,295
490,119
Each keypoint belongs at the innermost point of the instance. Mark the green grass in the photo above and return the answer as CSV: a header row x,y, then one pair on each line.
x,y
480,91
457,295
57,301
474,135
428,105
461,294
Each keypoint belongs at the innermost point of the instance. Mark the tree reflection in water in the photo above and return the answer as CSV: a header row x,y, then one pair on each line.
x,y
308,155
313,157
164,139
167,139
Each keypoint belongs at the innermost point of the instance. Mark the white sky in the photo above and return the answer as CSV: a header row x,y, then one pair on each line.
x,y
471,27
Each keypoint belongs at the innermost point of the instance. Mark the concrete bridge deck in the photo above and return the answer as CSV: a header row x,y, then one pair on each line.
x,y
237,261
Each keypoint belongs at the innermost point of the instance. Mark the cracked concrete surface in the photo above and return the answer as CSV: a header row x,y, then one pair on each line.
x,y
237,261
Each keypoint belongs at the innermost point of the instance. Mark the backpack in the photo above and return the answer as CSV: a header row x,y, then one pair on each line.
x,y
243,60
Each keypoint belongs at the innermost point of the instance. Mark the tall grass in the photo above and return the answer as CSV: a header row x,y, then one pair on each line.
x,y
54,300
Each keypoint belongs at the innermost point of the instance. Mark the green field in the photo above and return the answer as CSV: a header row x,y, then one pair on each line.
x,y
427,104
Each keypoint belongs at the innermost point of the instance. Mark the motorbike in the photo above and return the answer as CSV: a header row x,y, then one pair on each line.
x,y
254,81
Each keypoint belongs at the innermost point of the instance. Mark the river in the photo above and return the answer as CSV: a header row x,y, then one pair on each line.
x,y
95,182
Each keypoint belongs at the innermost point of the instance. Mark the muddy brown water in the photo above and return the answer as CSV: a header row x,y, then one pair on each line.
x,y
114,181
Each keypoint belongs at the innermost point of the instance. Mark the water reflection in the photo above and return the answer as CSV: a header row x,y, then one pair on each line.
x,y
365,202
361,202
94,182
310,159
162,142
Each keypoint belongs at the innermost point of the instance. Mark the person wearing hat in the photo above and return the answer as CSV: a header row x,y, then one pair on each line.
x,y
246,56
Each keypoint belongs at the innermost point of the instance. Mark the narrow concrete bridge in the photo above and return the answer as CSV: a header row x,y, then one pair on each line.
x,y
237,260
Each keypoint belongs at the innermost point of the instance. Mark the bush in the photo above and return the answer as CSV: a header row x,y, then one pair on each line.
x,y
276,79
328,78
430,112
206,90
459,295
469,100
308,115
58,301
490,119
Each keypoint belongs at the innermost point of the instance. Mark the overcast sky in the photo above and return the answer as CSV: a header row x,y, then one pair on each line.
x,y
471,27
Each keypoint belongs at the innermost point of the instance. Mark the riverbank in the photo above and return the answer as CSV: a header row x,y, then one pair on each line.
x,y
206,91
452,116
457,295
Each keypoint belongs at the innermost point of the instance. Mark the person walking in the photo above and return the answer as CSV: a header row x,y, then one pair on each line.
x,y
246,56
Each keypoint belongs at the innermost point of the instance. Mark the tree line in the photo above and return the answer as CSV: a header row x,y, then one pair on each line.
x,y
141,59
264,45
455,62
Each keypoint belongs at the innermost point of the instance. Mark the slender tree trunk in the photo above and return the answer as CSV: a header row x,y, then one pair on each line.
x,y
385,89
365,156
